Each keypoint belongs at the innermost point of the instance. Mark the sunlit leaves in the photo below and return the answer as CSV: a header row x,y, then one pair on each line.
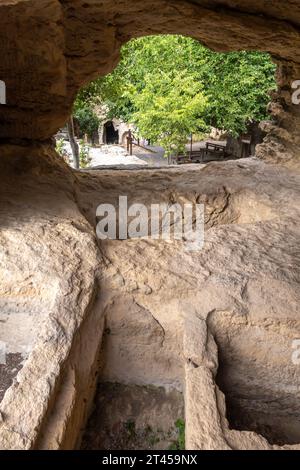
x,y
171,86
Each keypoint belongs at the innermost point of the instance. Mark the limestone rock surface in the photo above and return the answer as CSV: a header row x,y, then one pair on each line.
x,y
217,324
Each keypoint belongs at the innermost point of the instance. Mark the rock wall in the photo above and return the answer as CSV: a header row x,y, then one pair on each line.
x,y
281,144
218,321
218,324
49,262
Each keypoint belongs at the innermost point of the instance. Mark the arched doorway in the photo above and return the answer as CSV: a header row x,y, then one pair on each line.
x,y
110,135
125,135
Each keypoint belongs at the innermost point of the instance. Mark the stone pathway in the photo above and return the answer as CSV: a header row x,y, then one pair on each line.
x,y
109,155
116,156
113,155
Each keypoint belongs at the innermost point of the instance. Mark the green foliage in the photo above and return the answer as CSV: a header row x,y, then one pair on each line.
x,y
224,90
60,147
84,155
130,428
180,443
169,109
62,151
87,119
238,86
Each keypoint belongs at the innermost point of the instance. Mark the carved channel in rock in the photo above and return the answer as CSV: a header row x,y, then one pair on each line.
x,y
139,402
135,417
257,377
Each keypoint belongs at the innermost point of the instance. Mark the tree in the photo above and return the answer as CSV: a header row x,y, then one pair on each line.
x,y
87,119
73,143
169,109
236,86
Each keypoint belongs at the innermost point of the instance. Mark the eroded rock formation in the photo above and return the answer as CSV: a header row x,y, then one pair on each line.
x,y
223,317
220,321
228,313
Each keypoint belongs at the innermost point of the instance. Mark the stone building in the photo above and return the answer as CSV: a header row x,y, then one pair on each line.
x,y
111,130
244,146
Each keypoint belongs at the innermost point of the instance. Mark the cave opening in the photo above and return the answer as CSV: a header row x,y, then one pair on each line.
x,y
111,135
182,102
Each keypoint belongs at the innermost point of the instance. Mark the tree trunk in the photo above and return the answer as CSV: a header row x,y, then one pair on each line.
x,y
73,143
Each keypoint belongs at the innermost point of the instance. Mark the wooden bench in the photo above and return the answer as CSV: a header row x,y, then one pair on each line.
x,y
209,152
216,150
195,157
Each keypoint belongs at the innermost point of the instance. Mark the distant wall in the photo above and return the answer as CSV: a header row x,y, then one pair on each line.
x,y
244,146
